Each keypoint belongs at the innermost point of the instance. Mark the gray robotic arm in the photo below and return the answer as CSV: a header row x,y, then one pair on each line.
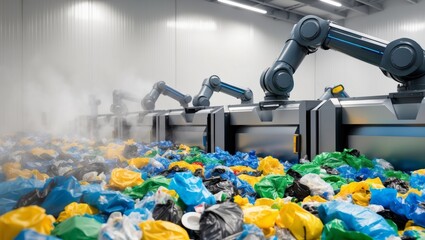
x,y
214,84
148,102
118,106
402,59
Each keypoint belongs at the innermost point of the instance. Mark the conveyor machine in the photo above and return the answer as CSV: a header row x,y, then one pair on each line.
x,y
202,126
391,126
142,126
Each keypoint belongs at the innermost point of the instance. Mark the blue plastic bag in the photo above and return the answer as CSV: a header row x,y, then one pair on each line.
x,y
251,231
347,171
66,191
191,189
145,214
12,191
417,181
225,173
411,207
357,218
383,196
108,201
29,234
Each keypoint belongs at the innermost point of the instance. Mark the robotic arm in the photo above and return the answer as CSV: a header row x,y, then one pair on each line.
x,y
337,91
148,102
214,84
403,59
118,107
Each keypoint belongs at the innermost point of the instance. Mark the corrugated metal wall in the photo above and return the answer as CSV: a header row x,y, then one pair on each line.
x,y
54,53
57,52
11,108
399,19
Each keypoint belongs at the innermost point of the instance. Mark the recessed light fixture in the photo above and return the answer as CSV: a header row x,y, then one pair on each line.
x,y
331,2
240,5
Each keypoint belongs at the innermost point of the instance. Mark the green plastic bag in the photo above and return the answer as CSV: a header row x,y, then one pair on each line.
x,y
273,186
334,180
202,158
336,230
306,168
77,227
337,159
397,174
150,185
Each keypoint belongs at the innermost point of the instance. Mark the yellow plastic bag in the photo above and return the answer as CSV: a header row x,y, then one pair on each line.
x,y
264,202
122,178
74,209
250,179
183,164
419,172
270,165
26,142
68,146
130,142
273,203
314,199
138,162
114,151
411,190
242,202
184,148
375,183
269,232
33,217
161,230
301,223
40,151
358,190
262,216
13,170
238,169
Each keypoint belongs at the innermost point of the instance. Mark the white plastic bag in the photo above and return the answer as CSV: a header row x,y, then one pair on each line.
x,y
317,185
119,227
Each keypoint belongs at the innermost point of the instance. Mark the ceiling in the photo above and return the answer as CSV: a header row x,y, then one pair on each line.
x,y
294,10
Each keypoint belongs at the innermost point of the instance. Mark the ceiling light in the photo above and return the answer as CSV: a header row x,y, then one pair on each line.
x,y
240,5
331,2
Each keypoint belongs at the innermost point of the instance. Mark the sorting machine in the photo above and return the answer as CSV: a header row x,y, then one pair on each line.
x,y
142,125
202,125
390,126
214,84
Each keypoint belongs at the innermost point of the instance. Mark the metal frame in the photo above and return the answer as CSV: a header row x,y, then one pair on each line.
x,y
277,128
195,126
390,127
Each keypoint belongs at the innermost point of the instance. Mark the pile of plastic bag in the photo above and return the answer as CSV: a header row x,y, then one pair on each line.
x,y
53,188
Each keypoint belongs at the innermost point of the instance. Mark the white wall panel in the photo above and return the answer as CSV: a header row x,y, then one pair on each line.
x,y
77,48
10,66
234,44
55,53
399,19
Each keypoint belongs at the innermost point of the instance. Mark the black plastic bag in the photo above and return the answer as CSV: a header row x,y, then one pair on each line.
x,y
130,151
354,152
168,212
330,170
216,184
399,220
297,190
78,173
35,197
174,169
220,221
311,209
398,184
296,175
